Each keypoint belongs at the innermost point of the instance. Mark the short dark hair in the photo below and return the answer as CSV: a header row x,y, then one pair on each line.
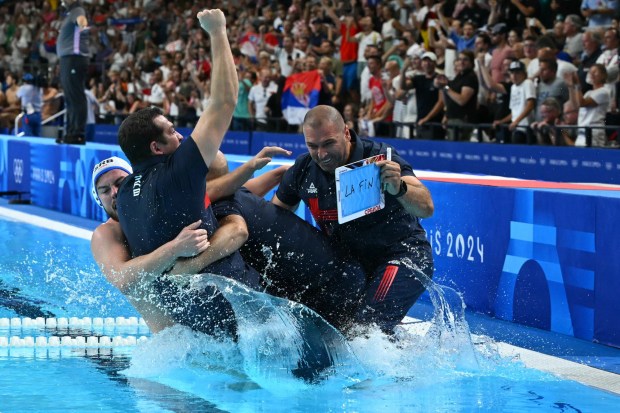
x,y
547,40
553,63
374,57
469,54
486,39
137,132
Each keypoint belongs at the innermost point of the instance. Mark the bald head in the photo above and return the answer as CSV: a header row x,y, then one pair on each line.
x,y
327,138
321,116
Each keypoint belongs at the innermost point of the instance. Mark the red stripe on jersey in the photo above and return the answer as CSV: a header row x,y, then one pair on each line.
x,y
321,215
207,200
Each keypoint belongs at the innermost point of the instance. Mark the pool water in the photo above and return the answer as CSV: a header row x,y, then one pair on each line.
x,y
437,368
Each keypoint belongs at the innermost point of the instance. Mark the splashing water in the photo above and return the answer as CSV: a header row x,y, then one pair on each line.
x,y
277,336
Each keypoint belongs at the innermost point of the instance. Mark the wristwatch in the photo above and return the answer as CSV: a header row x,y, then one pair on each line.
x,y
403,189
446,88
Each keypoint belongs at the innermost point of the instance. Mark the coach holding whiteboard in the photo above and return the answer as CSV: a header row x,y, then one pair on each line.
x,y
390,243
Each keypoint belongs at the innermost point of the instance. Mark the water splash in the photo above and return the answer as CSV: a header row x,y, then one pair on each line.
x,y
282,341
58,277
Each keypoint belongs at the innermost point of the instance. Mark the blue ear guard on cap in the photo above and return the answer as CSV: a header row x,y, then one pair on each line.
x,y
105,166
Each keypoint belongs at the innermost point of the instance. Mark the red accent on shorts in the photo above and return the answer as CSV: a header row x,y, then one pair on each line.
x,y
386,282
207,201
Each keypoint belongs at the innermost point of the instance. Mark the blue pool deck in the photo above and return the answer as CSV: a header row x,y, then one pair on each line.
x,y
590,363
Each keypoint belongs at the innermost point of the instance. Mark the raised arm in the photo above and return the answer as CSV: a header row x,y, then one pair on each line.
x,y
267,181
215,120
227,184
486,80
329,11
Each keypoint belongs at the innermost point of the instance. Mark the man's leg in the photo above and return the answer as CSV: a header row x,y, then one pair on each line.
x,y
203,310
395,287
73,71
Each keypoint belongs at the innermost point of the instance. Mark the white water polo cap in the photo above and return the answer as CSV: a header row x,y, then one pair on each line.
x,y
106,166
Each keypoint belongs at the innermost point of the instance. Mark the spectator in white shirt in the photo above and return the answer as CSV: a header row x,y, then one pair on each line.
x,y
258,97
522,103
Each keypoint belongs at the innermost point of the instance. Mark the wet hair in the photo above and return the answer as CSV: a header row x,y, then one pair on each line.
x,y
138,131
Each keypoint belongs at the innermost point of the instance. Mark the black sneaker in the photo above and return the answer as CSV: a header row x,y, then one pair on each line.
x,y
75,140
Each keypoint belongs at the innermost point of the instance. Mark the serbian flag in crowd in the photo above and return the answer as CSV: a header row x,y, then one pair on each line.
x,y
248,44
300,94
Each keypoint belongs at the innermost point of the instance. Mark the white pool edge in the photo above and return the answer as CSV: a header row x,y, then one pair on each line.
x,y
46,223
565,369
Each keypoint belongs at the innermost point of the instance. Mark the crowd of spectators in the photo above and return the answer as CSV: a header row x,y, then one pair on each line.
x,y
514,71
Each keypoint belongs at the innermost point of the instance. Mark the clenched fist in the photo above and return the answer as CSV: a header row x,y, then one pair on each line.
x,y
211,20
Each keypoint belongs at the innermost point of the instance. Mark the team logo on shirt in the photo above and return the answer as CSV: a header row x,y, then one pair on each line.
x,y
137,185
312,189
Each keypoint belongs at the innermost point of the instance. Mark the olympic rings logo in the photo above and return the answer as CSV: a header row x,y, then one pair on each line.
x,y
18,170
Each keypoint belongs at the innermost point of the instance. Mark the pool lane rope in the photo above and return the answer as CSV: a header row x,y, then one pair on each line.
x,y
17,324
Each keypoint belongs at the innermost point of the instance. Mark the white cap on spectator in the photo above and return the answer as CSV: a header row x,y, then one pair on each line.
x,y
415,50
430,55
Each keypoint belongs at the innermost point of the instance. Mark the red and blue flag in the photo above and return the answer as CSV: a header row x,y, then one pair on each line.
x,y
301,93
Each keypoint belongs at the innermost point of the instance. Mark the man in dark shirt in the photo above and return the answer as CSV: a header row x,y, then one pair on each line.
x,y
72,49
426,95
390,243
592,41
167,189
461,98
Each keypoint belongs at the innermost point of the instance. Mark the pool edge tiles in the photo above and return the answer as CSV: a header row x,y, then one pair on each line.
x,y
42,222
562,368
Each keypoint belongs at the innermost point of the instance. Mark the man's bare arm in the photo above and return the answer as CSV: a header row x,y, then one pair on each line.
x,y
417,200
111,252
226,185
215,120
228,238
267,181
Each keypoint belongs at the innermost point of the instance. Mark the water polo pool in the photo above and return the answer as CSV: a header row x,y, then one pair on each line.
x,y
70,342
